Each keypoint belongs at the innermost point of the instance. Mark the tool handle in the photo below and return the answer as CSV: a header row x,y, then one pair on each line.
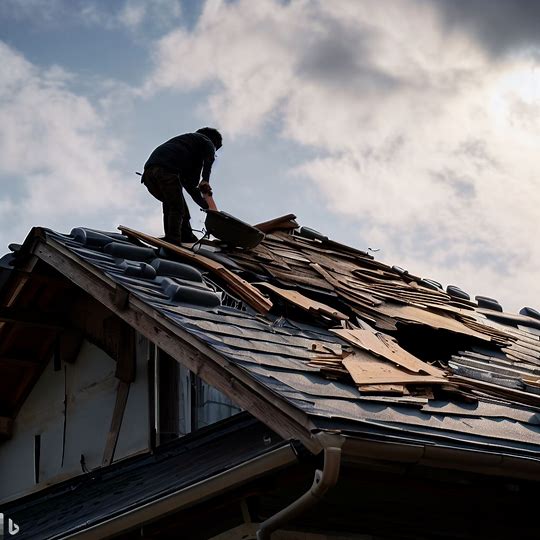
x,y
210,202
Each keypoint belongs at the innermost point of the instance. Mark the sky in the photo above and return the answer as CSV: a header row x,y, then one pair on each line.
x,y
410,127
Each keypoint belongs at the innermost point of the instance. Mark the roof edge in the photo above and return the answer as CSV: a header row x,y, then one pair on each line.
x,y
205,489
442,457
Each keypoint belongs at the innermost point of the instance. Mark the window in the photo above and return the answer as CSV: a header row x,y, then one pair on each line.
x,y
181,402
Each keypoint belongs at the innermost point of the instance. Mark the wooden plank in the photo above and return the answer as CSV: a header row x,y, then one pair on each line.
x,y
303,302
240,286
517,396
122,393
366,368
286,222
126,361
346,292
397,389
186,349
383,345
413,314
311,280
263,253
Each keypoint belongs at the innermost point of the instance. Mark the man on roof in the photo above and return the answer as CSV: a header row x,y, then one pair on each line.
x,y
185,162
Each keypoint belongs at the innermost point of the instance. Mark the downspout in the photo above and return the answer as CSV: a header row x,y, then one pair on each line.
x,y
322,482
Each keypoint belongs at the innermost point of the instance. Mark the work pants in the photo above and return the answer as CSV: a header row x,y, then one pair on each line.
x,y
165,186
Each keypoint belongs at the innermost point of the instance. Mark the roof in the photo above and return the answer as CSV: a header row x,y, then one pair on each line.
x,y
309,334
82,502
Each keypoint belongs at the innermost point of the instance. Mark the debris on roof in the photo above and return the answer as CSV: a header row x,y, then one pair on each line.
x,y
337,334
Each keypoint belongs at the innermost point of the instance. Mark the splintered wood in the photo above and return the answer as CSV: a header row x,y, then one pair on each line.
x,y
377,365
305,303
376,374
332,285
383,346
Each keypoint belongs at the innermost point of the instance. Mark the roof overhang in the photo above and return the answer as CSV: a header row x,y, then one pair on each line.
x,y
266,464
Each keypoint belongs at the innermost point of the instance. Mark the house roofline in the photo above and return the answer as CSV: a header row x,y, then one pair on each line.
x,y
262,403
197,356
254,468
441,456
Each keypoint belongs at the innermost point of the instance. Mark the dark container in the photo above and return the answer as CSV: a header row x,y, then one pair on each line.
x,y
231,230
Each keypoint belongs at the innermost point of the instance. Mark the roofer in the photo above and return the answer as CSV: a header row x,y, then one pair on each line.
x,y
185,162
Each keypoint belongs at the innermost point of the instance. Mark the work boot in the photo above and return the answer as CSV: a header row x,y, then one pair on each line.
x,y
187,233
189,238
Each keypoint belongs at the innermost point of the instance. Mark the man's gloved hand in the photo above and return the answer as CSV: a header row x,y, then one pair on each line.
x,y
205,188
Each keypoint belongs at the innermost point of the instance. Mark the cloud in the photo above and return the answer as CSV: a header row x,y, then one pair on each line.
x,y
57,159
421,141
129,14
42,10
499,26
163,13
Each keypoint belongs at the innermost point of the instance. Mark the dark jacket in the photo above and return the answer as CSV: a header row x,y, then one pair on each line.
x,y
190,156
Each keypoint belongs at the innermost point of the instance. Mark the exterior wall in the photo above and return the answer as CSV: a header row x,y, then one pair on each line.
x,y
210,404
90,387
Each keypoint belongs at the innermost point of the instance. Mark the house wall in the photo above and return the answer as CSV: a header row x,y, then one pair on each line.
x,y
90,386
211,405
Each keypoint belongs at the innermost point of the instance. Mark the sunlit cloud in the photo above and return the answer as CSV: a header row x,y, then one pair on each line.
x,y
56,157
425,142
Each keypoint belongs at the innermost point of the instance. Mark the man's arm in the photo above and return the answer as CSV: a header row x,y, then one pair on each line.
x,y
195,194
208,161
208,152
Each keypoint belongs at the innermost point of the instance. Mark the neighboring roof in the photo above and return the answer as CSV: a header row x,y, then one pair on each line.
x,y
409,363
151,480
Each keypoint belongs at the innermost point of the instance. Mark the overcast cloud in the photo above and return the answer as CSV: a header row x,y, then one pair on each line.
x,y
417,123
499,26
56,158
426,144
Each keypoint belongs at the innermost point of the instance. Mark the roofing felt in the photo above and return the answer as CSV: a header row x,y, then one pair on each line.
x,y
477,384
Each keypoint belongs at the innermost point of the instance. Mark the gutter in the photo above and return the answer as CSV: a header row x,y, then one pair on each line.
x,y
195,493
322,482
439,455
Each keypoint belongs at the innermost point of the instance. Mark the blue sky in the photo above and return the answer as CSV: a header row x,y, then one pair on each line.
x,y
401,125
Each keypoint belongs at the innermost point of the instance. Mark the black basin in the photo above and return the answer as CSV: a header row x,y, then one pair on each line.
x,y
231,230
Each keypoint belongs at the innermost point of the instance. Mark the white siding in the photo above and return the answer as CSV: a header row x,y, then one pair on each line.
x,y
91,394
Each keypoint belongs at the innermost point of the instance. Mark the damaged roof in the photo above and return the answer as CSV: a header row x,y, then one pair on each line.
x,y
319,336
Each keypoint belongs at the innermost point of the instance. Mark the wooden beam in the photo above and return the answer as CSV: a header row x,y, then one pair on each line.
x,y
195,355
70,344
122,393
126,361
286,222
6,427
29,317
245,290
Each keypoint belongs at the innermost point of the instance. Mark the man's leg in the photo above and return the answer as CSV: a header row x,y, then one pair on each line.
x,y
165,186
173,208
187,232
